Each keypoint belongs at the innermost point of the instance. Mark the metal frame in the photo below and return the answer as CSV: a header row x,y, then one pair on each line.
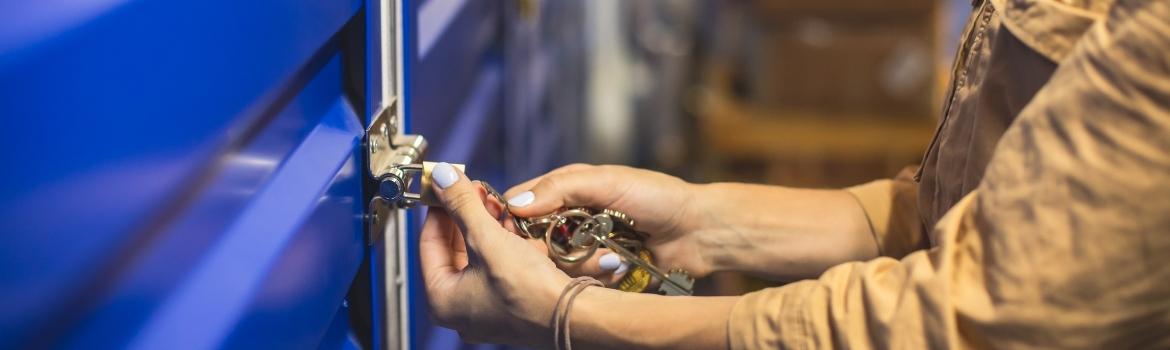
x,y
388,255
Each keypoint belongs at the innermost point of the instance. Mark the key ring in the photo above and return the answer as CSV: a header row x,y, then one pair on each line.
x,y
573,235
558,250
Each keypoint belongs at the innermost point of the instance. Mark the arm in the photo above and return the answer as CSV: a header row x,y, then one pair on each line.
x,y
778,232
611,319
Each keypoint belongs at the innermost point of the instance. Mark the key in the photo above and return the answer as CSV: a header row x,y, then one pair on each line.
x,y
680,283
676,284
583,235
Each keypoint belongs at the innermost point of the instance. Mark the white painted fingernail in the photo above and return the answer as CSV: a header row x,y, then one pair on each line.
x,y
609,262
444,175
522,200
621,269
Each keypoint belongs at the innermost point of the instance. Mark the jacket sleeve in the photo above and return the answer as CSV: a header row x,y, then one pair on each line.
x,y
1063,244
891,207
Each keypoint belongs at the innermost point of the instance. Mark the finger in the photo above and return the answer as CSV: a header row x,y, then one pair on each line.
x,y
606,263
527,185
458,244
510,225
464,201
592,187
494,207
437,259
538,245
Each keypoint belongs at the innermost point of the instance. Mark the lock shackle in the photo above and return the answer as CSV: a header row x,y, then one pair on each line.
x,y
395,182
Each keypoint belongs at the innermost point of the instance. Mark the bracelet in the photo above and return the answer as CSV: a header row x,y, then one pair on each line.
x,y
561,315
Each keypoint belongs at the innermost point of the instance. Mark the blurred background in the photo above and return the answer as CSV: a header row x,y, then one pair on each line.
x,y
796,93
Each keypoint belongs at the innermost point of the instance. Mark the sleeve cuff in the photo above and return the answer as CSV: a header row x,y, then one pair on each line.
x,y
890,207
875,200
772,318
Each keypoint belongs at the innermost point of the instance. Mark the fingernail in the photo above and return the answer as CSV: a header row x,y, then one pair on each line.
x,y
609,262
444,175
621,269
522,200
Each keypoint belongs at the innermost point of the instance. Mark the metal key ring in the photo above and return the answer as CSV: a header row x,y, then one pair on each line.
x,y
560,254
547,221
565,255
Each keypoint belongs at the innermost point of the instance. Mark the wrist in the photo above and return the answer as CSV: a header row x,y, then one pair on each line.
x,y
538,303
549,294
695,208
708,226
610,319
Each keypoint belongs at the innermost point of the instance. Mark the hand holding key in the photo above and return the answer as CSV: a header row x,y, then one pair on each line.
x,y
663,205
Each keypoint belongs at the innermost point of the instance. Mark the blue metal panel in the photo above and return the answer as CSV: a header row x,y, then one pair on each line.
x,y
338,336
298,176
187,173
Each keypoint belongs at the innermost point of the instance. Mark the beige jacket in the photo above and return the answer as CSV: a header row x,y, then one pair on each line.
x,y
1040,216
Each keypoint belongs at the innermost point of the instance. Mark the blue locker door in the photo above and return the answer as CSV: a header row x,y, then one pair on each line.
x,y
178,174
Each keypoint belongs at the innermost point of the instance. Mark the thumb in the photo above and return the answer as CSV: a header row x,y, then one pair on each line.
x,y
465,203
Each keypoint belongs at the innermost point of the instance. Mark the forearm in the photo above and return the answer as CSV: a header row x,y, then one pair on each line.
x,y
609,319
778,232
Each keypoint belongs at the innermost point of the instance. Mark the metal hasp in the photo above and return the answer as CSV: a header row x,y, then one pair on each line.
x,y
393,160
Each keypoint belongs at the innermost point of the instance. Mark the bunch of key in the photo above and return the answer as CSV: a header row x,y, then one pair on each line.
x,y
573,235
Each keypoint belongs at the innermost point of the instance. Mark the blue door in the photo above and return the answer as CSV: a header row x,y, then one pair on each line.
x,y
179,174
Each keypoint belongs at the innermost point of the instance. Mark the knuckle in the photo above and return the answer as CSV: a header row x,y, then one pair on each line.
x,y
551,183
576,166
462,200
613,170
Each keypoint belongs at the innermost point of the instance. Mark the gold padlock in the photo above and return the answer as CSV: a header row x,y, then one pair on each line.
x,y
426,195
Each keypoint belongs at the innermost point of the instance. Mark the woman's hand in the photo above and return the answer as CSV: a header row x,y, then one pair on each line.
x,y
770,231
661,206
482,280
490,285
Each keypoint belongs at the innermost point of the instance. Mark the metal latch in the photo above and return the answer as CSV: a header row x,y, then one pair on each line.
x,y
393,161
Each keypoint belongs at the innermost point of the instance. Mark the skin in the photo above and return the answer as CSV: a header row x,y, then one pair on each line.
x,y
493,286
